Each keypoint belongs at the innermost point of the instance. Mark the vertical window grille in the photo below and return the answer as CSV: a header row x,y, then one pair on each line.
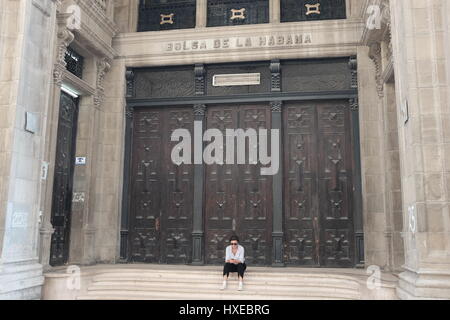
x,y
74,62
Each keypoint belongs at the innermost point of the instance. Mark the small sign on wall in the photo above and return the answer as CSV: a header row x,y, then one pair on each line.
x,y
245,79
31,122
44,170
80,161
405,112
78,197
20,220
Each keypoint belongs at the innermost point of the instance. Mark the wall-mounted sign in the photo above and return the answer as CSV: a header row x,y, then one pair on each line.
x,y
44,170
80,161
78,197
412,214
31,122
20,220
405,112
280,40
241,79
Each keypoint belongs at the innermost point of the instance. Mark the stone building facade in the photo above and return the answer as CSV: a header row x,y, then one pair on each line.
x,y
398,58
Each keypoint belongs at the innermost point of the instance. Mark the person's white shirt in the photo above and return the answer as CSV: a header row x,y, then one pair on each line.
x,y
238,256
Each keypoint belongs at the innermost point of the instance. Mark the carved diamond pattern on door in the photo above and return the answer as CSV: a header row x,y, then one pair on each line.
x,y
300,247
337,247
161,195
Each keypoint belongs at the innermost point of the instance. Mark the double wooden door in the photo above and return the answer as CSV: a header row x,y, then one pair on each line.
x,y
238,197
162,192
318,184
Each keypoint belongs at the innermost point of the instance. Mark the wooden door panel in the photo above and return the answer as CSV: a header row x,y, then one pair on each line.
x,y
336,189
221,205
177,203
146,191
300,185
255,194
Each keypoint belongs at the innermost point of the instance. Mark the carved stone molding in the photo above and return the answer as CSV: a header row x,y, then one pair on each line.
x,y
129,112
354,104
64,39
276,106
103,67
58,74
375,55
353,65
275,70
129,76
200,79
199,110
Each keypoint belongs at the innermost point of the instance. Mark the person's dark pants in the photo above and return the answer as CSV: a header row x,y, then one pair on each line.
x,y
231,267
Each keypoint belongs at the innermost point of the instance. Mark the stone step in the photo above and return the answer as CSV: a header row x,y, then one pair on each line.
x,y
203,283
213,288
298,279
259,282
276,273
230,295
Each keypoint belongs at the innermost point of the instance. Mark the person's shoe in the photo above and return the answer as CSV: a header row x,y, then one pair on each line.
x,y
241,286
224,285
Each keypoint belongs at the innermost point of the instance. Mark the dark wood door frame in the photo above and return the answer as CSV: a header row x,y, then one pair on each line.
x,y
275,100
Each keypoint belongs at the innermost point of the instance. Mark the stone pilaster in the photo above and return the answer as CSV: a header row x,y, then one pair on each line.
x,y
64,37
20,270
422,73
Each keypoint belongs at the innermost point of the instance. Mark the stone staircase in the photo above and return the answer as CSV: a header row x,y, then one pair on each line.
x,y
203,283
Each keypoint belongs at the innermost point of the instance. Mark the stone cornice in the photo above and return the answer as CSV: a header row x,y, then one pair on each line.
x,y
80,85
349,25
95,42
329,38
95,12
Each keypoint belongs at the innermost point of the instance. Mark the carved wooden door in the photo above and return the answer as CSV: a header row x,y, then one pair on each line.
x,y
161,193
63,179
318,184
238,197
